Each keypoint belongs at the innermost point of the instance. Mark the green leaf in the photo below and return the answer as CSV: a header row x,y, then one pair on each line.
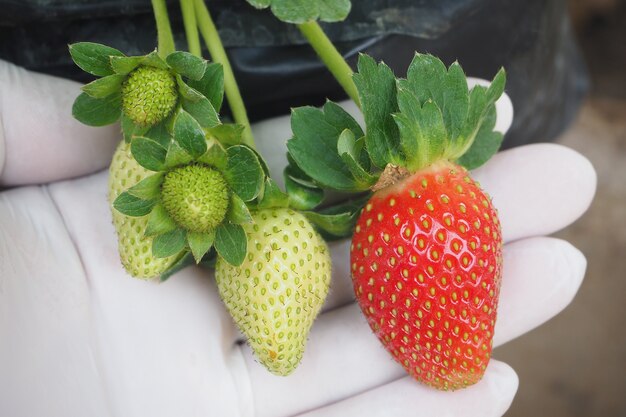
x,y
93,57
148,153
238,212
176,156
339,225
301,11
485,145
202,110
350,152
215,156
189,134
125,64
154,60
314,145
244,173
272,196
185,260
187,64
231,243
302,197
377,92
149,188
159,222
227,134
130,129
97,111
200,244
169,244
132,206
211,85
104,87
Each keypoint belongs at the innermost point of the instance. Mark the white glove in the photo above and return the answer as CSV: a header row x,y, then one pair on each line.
x,y
79,337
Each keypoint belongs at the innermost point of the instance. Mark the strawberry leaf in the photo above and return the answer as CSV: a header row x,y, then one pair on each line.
x,y
132,206
314,145
169,244
377,92
148,153
104,87
93,57
189,134
200,244
97,111
238,212
159,222
301,11
211,85
339,225
244,173
187,64
302,197
231,243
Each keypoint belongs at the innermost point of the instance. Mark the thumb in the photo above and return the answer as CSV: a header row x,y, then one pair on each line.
x,y
39,139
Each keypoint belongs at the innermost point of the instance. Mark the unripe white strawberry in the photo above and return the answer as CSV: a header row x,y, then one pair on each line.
x,y
275,295
135,249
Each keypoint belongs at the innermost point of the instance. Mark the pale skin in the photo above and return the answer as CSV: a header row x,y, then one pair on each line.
x,y
80,337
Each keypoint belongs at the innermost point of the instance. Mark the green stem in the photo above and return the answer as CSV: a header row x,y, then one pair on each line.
x,y
331,57
164,30
191,29
216,49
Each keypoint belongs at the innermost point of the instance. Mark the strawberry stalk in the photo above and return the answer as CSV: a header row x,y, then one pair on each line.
x,y
216,49
164,30
191,29
333,60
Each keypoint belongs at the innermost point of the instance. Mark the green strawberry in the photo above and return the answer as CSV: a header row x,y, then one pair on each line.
x,y
135,249
149,95
277,292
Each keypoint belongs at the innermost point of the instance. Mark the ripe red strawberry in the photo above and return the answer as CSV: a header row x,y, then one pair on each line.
x,y
426,264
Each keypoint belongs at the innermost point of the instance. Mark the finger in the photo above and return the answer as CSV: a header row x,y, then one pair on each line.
x,y
541,277
537,189
42,141
344,358
491,397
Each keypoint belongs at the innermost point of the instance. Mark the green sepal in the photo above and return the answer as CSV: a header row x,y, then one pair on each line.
x,y
302,197
272,196
211,85
176,156
314,145
376,84
244,172
130,129
189,134
133,206
93,57
297,174
202,110
149,188
200,244
125,64
104,87
97,111
231,243
160,134
349,150
169,244
159,222
238,212
183,262
485,145
301,11
227,134
154,60
215,156
148,153
187,64
339,225
186,92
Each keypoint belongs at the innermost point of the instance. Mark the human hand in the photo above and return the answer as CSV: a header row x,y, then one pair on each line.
x,y
79,337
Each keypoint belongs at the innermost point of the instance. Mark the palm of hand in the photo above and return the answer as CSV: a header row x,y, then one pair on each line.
x,y
82,338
